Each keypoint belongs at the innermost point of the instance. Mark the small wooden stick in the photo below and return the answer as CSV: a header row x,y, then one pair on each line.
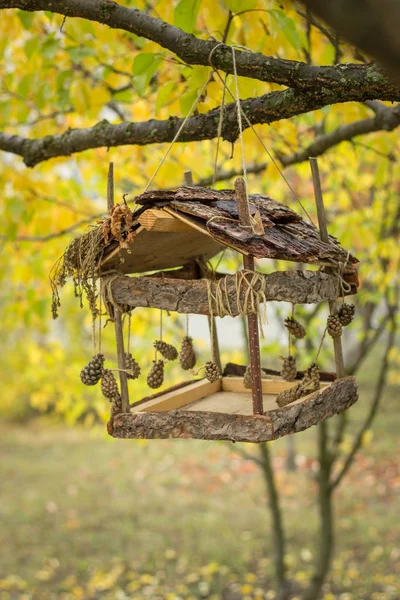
x,y
252,320
119,334
323,230
212,322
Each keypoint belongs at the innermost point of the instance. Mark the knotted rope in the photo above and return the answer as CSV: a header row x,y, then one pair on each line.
x,y
250,288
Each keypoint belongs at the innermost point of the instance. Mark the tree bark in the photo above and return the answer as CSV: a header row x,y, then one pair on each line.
x,y
185,296
371,25
236,427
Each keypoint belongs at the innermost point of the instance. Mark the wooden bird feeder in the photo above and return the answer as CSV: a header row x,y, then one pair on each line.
x,y
181,230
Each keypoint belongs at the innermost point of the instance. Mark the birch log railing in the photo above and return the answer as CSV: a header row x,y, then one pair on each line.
x,y
191,296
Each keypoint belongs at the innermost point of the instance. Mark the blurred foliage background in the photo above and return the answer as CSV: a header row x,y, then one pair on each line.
x,y
90,517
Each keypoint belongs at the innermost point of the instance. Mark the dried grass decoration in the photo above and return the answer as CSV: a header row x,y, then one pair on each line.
x,y
82,258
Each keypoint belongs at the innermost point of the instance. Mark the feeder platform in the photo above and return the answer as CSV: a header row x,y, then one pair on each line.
x,y
222,410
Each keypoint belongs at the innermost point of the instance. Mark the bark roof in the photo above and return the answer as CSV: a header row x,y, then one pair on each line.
x,y
287,236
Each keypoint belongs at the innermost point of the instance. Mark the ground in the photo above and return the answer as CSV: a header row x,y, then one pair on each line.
x,y
85,516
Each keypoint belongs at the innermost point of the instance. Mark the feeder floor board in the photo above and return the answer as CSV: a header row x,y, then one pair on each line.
x,y
222,410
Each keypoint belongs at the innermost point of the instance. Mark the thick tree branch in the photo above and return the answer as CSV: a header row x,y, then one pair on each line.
x,y
264,109
193,50
372,25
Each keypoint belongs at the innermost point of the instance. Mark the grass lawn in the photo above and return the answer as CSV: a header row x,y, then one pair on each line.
x,y
85,516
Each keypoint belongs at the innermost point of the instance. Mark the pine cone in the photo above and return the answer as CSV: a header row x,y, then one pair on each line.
x,y
334,326
346,313
132,366
91,374
187,355
295,328
290,395
168,351
155,378
289,369
109,387
247,378
211,371
311,381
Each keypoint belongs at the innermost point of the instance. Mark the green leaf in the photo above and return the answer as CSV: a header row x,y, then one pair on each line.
x,y
185,14
288,27
124,96
25,85
78,53
142,63
26,18
32,46
50,47
237,6
5,111
144,67
164,94
187,100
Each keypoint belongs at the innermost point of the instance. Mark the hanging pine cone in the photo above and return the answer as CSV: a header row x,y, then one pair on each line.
x,y
168,351
109,387
187,355
289,369
311,381
247,378
346,313
211,371
334,326
132,366
290,395
91,374
155,377
295,328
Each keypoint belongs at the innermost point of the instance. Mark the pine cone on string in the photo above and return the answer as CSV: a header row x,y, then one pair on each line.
x,y
132,366
91,374
211,371
168,351
247,378
334,326
311,381
289,396
109,387
187,355
289,369
346,313
155,378
295,328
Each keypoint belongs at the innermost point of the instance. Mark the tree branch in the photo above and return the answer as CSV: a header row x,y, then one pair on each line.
x,y
326,534
192,50
271,107
385,119
276,519
51,236
374,406
372,26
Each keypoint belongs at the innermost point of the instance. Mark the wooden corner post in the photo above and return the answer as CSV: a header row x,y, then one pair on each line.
x,y
323,231
252,319
119,334
212,322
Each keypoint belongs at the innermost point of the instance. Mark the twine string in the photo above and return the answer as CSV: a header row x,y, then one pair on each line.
x,y
250,288
100,311
129,332
219,134
320,345
178,133
271,157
